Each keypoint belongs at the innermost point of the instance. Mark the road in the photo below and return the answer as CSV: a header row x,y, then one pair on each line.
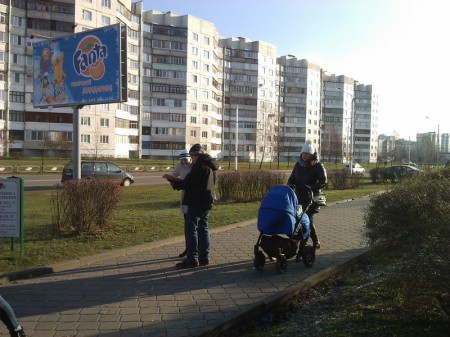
x,y
47,181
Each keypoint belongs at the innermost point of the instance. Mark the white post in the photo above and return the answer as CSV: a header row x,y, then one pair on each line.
x,y
352,135
236,140
76,155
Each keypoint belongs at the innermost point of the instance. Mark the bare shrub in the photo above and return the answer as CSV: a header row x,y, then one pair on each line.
x,y
85,206
244,186
408,226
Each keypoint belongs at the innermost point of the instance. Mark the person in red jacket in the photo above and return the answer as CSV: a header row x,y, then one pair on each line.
x,y
308,175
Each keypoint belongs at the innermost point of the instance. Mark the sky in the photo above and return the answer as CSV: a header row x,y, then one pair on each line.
x,y
401,47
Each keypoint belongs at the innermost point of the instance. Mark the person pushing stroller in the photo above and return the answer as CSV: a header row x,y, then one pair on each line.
x,y
308,175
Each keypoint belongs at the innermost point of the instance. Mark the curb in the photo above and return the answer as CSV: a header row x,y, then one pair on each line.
x,y
283,297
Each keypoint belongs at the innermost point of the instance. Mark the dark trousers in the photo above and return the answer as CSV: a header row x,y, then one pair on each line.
x,y
312,233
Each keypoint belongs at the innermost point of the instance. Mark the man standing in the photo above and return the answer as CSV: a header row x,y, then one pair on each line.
x,y
198,188
180,171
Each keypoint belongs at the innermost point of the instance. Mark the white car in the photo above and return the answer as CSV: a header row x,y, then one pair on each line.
x,y
356,168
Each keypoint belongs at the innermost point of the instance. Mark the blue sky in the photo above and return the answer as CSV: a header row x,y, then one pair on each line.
x,y
401,47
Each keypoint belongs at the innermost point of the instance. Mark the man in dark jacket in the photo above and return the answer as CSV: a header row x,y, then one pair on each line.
x,y
198,188
308,176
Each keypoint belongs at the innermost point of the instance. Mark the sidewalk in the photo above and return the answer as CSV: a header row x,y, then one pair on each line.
x,y
139,292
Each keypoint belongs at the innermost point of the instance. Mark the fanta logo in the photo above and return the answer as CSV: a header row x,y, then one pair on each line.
x,y
88,58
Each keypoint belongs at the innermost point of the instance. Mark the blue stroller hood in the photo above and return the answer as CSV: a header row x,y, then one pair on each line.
x,y
278,212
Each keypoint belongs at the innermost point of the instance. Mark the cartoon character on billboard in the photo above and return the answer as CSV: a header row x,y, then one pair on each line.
x,y
44,74
46,90
59,75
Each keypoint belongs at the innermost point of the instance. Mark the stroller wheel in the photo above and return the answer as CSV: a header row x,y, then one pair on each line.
x,y
281,264
259,261
309,256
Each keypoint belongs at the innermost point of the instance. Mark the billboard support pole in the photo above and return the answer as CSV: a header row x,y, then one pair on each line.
x,y
76,159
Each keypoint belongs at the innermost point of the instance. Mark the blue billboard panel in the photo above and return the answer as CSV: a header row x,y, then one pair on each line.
x,y
80,69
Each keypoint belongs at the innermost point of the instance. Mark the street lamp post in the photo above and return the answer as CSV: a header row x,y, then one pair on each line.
x,y
237,139
352,135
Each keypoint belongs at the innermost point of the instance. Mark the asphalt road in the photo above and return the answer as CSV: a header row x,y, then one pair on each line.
x,y
47,181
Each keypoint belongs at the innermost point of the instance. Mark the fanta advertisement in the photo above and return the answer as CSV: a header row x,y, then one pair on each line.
x,y
80,69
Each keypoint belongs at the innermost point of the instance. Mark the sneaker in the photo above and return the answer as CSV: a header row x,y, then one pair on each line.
x,y
203,262
187,264
316,244
19,333
183,254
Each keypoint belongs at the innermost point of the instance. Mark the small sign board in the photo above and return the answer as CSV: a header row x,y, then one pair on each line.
x,y
80,69
10,207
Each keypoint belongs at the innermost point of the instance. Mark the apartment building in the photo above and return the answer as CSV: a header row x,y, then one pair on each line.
x,y
106,130
300,106
186,85
250,98
182,87
344,97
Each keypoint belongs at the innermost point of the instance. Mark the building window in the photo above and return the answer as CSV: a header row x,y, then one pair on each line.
x,y
16,116
193,133
134,64
18,59
205,107
87,15
16,96
18,40
3,18
204,134
106,3
85,121
206,40
86,139
17,21
104,122
104,139
205,121
106,20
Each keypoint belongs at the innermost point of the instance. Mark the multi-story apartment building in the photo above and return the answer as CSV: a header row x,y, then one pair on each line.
x,y
186,85
105,130
182,92
300,106
346,101
250,97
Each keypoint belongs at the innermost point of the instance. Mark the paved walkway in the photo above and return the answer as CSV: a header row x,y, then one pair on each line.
x,y
139,292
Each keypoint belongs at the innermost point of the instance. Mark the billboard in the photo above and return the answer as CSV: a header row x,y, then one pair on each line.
x,y
80,69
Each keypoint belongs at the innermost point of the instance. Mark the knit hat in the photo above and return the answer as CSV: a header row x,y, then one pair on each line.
x,y
196,150
184,154
308,147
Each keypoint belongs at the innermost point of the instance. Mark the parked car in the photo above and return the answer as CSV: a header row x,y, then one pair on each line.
x,y
356,168
399,172
92,169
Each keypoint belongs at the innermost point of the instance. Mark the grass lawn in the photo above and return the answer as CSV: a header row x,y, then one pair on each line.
x,y
145,214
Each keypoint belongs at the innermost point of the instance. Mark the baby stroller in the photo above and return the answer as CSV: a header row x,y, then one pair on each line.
x,y
284,230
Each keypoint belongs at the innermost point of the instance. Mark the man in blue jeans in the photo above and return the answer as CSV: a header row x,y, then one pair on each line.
x,y
198,188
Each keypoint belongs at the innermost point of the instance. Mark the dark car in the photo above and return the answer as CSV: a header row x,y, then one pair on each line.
x,y
99,170
399,172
